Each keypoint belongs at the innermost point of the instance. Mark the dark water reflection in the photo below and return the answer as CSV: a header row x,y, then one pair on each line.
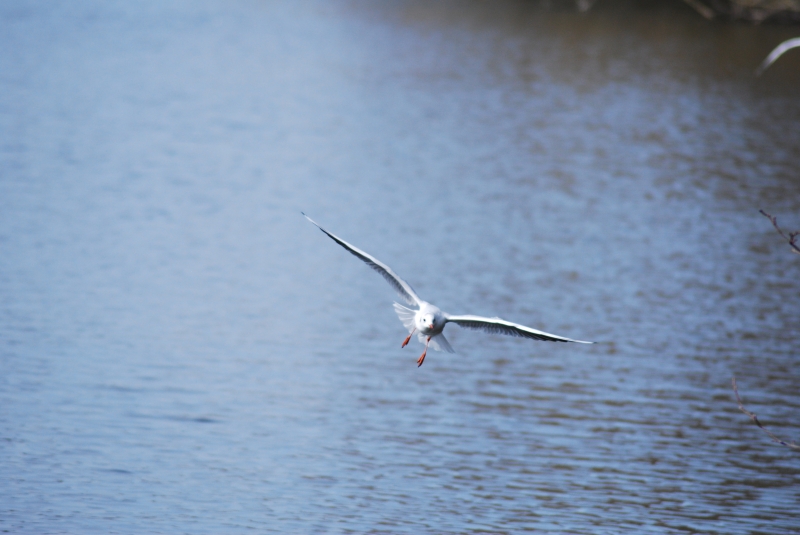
x,y
182,352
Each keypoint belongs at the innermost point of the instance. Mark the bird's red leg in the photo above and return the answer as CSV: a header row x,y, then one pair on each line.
x,y
405,342
421,358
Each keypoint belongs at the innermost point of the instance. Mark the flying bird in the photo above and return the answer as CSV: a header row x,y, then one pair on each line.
x,y
428,321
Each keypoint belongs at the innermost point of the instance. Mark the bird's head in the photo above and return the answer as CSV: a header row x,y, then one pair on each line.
x,y
428,321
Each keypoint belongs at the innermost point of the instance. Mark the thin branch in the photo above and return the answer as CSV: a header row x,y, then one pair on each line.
x,y
701,8
755,419
791,238
585,5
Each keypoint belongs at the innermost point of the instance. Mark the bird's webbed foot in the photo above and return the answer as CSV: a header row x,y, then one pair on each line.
x,y
421,358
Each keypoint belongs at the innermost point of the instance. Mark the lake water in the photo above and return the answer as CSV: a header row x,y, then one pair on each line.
x,y
182,352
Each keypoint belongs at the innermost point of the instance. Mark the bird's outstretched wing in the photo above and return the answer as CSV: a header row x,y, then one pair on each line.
x,y
498,326
402,287
777,52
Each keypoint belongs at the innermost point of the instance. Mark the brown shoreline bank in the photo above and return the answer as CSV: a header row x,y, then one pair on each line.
x,y
756,11
753,11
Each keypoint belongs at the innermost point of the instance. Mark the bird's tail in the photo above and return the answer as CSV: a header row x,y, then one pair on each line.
x,y
440,343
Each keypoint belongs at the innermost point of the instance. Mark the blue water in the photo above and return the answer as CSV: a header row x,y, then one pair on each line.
x,y
182,352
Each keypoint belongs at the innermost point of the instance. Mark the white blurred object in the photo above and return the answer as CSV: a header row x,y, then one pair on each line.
x,y
776,53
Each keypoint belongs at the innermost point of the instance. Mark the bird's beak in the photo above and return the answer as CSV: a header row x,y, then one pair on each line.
x,y
430,326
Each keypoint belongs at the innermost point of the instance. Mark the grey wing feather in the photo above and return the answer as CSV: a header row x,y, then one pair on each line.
x,y
406,315
401,287
500,326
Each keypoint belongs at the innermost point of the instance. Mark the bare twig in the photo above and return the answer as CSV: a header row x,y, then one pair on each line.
x,y
585,5
755,419
791,238
701,8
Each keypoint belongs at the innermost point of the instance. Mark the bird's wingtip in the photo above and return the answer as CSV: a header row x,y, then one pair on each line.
x,y
312,221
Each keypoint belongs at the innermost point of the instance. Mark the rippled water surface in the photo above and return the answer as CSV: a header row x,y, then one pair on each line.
x,y
180,351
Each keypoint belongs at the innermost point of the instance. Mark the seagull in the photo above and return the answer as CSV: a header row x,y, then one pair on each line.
x,y
428,321
777,52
